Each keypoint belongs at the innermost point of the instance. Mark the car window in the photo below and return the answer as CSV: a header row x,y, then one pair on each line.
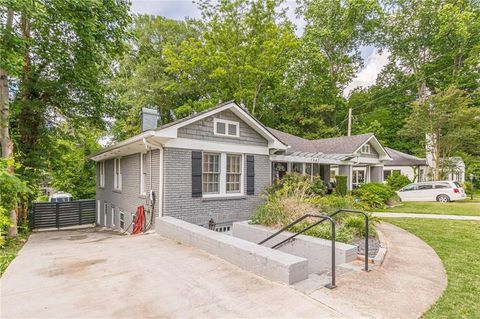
x,y
410,187
443,185
457,184
425,186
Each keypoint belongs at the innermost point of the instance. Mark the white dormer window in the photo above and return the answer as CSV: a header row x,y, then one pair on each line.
x,y
366,149
226,128
117,174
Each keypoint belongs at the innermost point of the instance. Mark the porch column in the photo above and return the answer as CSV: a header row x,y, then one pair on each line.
x,y
325,172
376,174
346,170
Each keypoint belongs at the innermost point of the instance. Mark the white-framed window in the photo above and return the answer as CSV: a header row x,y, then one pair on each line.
x,y
366,149
388,172
226,128
101,174
211,173
99,211
121,219
113,215
117,174
358,176
105,213
143,173
222,174
234,173
297,168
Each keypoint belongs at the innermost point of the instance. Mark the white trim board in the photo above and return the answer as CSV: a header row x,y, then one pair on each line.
x,y
209,146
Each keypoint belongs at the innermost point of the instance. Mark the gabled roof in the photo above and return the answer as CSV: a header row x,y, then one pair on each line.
x,y
167,132
170,130
343,144
403,159
346,145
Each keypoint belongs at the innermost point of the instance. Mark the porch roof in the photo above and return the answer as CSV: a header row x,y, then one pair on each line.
x,y
309,157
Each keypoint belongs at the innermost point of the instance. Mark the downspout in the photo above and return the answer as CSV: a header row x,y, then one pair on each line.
x,y
160,182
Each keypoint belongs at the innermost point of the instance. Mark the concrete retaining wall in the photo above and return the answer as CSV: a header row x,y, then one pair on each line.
x,y
316,250
271,264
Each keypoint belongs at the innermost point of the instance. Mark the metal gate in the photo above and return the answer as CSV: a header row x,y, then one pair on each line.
x,y
58,215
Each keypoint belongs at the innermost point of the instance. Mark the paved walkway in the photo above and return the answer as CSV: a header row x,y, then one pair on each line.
x,y
431,216
96,275
409,281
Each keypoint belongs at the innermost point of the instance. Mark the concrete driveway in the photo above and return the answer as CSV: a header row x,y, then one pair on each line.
x,y
99,275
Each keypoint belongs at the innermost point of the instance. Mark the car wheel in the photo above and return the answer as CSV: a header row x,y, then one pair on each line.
x,y
443,198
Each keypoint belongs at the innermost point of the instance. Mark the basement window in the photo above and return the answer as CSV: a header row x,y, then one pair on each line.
x,y
113,216
121,218
222,229
226,128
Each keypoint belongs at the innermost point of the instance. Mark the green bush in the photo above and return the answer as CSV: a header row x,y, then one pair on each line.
x,y
374,195
341,185
13,191
329,204
397,181
318,186
291,180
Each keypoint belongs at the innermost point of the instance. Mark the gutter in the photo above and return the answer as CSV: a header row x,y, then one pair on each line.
x,y
136,138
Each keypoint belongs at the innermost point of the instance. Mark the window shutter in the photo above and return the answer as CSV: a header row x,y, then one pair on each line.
x,y
196,174
250,175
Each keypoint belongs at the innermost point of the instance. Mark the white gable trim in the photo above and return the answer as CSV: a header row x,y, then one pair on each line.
x,y
273,142
383,154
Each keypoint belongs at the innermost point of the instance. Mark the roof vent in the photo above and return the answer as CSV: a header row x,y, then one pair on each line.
x,y
148,119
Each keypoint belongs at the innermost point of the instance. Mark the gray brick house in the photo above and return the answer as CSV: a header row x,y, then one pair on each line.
x,y
215,164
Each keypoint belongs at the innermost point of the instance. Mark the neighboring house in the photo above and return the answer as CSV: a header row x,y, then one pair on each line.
x,y
454,169
413,167
215,164
359,157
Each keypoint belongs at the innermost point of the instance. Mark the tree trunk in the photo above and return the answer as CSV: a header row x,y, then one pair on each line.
x,y
6,142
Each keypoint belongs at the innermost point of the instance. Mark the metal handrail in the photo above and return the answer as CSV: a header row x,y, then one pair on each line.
x,y
366,229
322,219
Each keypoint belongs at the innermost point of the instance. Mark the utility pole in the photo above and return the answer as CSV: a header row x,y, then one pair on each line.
x,y
349,122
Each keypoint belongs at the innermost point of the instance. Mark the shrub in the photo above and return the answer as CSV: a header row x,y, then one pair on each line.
x,y
341,185
318,186
396,181
292,180
374,195
331,203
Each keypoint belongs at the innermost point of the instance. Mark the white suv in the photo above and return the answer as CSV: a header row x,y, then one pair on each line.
x,y
441,191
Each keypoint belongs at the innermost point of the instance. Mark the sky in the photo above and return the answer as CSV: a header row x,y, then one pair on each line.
x,y
179,9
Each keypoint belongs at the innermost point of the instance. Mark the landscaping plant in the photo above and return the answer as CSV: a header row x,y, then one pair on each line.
x,y
397,181
374,195
293,197
341,185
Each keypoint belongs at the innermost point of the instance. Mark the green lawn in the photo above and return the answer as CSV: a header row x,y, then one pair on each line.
x,y
452,208
9,251
457,244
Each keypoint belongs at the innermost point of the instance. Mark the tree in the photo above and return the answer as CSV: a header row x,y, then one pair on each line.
x,y
56,59
141,79
448,124
243,54
328,59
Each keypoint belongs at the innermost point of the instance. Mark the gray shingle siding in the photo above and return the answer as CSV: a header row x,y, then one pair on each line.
x,y
129,198
373,152
178,200
203,130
